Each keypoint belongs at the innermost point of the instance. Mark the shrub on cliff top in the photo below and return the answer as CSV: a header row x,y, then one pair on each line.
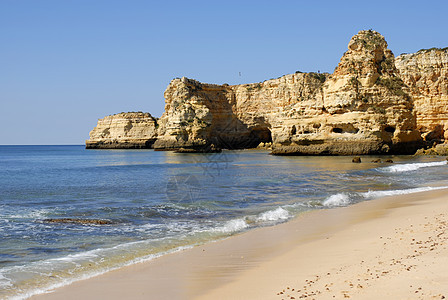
x,y
431,49
319,76
370,39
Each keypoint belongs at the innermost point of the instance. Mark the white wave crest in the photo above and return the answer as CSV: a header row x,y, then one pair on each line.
x,y
340,199
274,215
232,226
27,213
412,167
5,282
377,194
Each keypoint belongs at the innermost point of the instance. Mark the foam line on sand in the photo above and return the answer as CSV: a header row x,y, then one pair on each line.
x,y
389,248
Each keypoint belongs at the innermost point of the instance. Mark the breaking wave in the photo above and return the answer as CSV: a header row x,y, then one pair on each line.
x,y
274,215
344,199
341,199
411,167
232,226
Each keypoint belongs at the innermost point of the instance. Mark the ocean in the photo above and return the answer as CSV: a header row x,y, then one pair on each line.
x,y
152,203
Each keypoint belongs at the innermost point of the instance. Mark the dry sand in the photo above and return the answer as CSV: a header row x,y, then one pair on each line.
x,y
390,248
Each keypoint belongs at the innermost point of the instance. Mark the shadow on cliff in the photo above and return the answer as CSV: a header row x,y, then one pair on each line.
x,y
232,133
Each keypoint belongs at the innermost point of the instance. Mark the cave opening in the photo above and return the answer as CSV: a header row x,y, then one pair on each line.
x,y
389,129
337,130
259,135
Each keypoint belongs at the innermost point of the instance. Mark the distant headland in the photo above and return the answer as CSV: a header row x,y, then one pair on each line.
x,y
373,103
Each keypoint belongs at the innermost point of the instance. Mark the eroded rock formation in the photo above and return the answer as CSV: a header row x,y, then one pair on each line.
x,y
426,74
371,104
362,108
133,130
198,115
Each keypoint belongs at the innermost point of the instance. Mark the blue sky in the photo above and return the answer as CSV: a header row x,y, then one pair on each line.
x,y
66,63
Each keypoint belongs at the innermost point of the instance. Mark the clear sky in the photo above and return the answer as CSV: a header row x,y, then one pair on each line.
x,y
66,63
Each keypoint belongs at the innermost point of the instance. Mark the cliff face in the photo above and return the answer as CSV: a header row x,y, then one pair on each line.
x,y
363,108
373,103
426,74
236,117
124,130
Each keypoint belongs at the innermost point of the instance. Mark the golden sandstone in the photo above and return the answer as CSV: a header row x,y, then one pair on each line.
x,y
373,103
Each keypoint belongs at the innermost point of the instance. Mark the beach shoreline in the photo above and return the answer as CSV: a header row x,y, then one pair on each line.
x,y
393,247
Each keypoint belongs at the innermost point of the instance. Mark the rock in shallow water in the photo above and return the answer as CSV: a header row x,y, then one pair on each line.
x,y
356,159
78,221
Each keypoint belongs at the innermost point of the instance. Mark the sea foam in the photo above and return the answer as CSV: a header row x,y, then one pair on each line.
x,y
5,282
274,215
340,199
411,167
83,276
377,194
232,226
343,199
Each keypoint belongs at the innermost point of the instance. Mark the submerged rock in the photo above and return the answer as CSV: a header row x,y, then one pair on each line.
x,y
356,159
207,149
78,221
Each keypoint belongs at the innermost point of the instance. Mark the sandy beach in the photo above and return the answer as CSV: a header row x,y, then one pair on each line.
x,y
389,248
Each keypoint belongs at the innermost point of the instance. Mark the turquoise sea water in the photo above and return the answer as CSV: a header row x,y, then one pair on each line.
x,y
159,202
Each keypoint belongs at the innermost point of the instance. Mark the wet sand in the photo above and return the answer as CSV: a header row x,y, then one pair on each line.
x,y
390,248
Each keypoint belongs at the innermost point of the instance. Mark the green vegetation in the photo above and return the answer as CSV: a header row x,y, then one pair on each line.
x,y
431,49
365,99
201,122
387,64
380,110
353,82
252,88
184,123
394,84
319,76
130,112
371,39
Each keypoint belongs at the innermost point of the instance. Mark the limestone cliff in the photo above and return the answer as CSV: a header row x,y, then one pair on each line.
x,y
124,130
426,74
233,117
362,108
373,103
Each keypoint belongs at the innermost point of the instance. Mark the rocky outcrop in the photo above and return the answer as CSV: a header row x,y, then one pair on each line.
x,y
362,108
133,130
438,149
426,74
373,103
198,115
